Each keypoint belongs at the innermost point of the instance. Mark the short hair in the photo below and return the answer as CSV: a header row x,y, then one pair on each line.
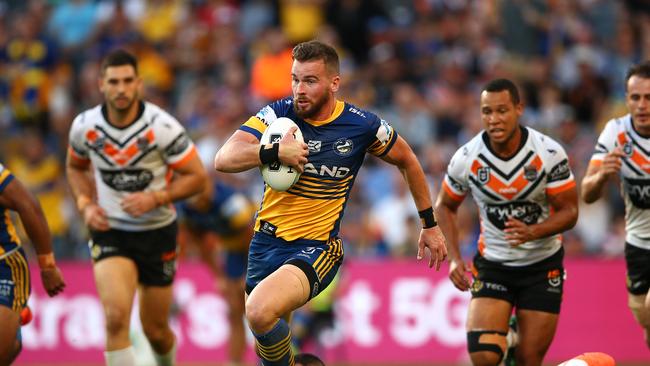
x,y
316,50
307,359
641,70
498,85
119,58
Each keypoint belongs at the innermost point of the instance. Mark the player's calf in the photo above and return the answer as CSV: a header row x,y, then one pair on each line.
x,y
641,314
486,347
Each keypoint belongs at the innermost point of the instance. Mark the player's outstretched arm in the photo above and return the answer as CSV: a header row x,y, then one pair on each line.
x,y
431,237
446,211
564,217
16,197
598,173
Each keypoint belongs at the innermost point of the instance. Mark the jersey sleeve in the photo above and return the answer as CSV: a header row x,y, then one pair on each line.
x,y
606,143
257,124
455,182
559,175
5,177
77,147
384,139
176,146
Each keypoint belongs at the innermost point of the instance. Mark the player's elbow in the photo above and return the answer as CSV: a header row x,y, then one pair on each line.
x,y
220,163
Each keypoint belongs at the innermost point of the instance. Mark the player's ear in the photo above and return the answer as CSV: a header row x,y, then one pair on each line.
x,y
334,85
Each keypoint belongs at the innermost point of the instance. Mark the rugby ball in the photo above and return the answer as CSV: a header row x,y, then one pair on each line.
x,y
278,176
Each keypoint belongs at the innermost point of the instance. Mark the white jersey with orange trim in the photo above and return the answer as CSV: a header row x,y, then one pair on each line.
x,y
517,187
135,158
634,174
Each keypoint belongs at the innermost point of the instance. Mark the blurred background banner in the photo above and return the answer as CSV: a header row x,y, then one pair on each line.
x,y
386,312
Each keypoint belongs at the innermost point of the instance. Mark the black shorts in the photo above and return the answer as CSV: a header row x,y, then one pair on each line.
x,y
638,269
537,286
153,251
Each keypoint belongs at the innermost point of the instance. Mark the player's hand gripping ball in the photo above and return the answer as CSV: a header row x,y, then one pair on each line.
x,y
278,176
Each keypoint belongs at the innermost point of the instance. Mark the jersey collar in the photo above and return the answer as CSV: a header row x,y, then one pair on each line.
x,y
338,109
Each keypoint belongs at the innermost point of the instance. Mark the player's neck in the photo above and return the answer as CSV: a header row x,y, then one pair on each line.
x,y
326,110
508,148
124,118
643,131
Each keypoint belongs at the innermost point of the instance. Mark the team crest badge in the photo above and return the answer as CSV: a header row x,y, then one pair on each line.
x,y
530,173
483,174
627,149
99,142
143,143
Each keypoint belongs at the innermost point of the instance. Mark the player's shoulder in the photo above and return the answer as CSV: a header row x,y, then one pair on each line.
x,y
544,145
274,110
156,115
472,147
358,115
88,117
618,124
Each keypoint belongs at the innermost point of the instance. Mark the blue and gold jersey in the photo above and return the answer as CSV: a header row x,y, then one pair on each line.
x,y
8,237
313,207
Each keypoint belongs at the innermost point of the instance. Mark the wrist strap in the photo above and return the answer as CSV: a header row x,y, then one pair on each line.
x,y
46,261
427,218
268,156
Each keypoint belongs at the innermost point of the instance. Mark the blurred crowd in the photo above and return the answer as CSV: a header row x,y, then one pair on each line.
x,y
419,64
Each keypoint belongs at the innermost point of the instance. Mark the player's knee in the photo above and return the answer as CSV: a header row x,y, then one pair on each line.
x,y
260,316
156,333
486,347
640,311
117,320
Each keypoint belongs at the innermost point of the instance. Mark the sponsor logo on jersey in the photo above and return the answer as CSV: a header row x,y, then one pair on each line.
x,y
343,146
179,145
314,146
483,175
327,171
639,191
561,171
132,180
527,212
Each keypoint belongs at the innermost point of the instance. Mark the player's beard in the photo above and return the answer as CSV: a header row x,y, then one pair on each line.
x,y
311,111
124,107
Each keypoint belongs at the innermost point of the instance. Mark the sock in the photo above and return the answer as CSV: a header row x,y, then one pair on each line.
x,y
167,359
512,338
274,347
120,357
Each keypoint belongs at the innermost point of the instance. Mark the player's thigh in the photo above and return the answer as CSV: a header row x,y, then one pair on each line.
x,y
281,292
487,313
155,305
536,332
116,279
10,321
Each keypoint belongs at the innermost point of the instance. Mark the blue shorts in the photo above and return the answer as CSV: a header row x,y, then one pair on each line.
x,y
235,263
318,260
15,286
